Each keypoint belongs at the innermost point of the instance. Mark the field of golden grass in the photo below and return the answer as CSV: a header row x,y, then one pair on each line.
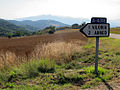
x,y
58,47
67,31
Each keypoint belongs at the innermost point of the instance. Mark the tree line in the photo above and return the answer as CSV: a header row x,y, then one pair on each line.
x,y
77,26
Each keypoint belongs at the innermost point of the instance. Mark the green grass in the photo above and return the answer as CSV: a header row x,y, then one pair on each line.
x,y
101,71
79,73
26,71
103,75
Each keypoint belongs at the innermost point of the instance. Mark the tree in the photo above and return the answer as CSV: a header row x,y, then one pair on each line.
x,y
82,25
52,29
9,35
19,33
75,26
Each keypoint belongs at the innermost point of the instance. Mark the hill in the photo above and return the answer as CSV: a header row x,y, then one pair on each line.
x,y
66,20
37,25
9,28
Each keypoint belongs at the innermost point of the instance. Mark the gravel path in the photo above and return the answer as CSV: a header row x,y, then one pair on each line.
x,y
117,36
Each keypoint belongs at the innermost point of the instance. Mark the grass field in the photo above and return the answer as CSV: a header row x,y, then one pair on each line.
x,y
59,61
22,49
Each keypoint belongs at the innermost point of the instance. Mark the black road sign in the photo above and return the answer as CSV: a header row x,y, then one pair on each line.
x,y
99,20
96,30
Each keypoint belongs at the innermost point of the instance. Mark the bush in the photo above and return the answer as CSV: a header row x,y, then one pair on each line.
x,y
51,32
34,67
3,75
31,69
46,66
101,71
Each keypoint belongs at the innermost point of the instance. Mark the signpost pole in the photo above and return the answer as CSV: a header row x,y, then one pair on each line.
x,y
96,55
97,28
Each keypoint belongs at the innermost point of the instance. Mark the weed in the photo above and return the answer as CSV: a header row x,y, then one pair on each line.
x,y
89,46
101,71
86,86
46,66
61,78
10,85
72,65
3,75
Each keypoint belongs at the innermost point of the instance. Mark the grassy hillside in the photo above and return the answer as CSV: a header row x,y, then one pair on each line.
x,y
7,28
37,25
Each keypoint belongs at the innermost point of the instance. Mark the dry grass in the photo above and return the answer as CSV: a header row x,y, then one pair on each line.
x,y
7,59
67,30
59,50
59,47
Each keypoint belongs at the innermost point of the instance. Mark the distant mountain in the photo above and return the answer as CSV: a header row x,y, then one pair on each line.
x,y
37,25
66,20
25,24
7,27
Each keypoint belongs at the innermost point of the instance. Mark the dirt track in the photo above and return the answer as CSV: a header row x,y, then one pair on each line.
x,y
117,36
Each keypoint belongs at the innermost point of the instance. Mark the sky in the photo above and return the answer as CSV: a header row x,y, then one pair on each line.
x,y
11,9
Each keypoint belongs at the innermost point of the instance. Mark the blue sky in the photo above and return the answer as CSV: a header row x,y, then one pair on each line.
x,y
11,9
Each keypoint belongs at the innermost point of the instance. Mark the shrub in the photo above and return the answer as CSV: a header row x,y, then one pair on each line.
x,y
3,75
46,66
35,66
101,71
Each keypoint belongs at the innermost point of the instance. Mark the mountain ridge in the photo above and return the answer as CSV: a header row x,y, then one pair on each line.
x,y
68,20
7,28
63,19
39,24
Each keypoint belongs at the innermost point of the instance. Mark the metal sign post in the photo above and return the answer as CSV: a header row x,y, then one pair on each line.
x,y
96,54
97,28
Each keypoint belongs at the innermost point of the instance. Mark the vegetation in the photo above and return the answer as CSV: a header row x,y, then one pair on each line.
x,y
62,28
13,28
8,29
69,65
37,25
47,30
77,26
79,73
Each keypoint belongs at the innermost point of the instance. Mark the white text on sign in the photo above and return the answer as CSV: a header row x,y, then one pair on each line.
x,y
96,30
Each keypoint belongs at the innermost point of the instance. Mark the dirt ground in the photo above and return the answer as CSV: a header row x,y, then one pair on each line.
x,y
114,85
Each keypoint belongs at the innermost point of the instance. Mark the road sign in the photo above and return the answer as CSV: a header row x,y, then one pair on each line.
x,y
99,20
96,30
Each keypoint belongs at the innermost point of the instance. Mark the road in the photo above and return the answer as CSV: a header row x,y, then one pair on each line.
x,y
117,36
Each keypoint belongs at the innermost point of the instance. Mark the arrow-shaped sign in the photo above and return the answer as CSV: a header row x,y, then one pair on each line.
x,y
96,30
